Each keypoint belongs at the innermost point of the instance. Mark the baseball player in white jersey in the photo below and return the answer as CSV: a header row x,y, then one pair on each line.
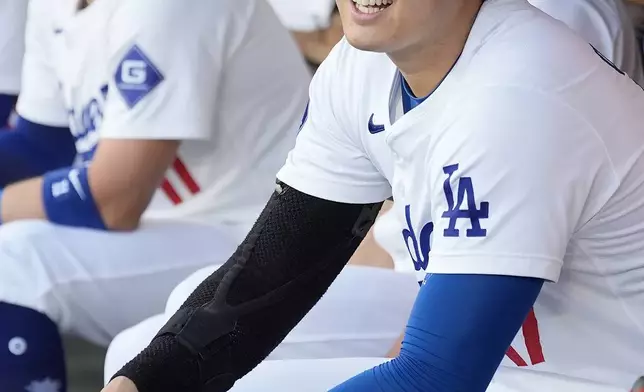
x,y
149,136
13,14
606,25
513,151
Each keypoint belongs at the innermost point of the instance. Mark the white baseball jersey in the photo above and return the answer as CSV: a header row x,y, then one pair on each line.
x,y
223,77
528,160
606,24
13,14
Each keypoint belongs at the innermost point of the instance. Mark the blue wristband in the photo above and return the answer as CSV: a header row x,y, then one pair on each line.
x,y
68,199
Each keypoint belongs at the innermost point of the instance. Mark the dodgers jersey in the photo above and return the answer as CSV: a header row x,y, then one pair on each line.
x,y
528,160
223,77
606,24
13,14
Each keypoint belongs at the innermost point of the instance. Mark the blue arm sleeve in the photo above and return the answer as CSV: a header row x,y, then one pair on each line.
x,y
7,103
459,330
32,149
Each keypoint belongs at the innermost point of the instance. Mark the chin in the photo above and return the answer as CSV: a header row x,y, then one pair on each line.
x,y
366,42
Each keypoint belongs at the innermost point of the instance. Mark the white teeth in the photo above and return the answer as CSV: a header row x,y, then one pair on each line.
x,y
368,10
372,6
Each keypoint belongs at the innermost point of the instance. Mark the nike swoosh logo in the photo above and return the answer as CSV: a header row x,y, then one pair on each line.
x,y
375,128
75,181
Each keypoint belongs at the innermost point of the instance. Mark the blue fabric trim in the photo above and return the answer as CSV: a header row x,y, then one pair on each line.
x,y
459,331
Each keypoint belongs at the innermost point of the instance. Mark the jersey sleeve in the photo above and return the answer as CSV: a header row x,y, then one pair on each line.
x,y
512,179
165,67
41,99
328,161
584,18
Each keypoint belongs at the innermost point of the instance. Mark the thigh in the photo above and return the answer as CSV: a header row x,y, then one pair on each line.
x,y
311,375
96,283
129,343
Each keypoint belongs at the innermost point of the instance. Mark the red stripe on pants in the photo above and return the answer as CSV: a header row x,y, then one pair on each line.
x,y
515,357
532,338
170,192
185,176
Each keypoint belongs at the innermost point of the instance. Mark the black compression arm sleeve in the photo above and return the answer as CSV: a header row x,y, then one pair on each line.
x,y
238,315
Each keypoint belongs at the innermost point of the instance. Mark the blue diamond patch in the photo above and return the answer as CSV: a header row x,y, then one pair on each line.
x,y
136,76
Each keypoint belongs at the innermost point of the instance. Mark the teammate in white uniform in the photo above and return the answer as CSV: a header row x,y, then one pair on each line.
x,y
522,168
180,117
606,24
13,14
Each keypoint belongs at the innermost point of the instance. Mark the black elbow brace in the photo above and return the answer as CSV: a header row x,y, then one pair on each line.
x,y
238,315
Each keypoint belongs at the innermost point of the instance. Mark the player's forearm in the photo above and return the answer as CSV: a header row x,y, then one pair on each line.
x,y
120,208
238,315
124,175
22,200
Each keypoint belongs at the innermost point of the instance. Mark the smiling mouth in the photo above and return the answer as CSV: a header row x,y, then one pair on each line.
x,y
372,6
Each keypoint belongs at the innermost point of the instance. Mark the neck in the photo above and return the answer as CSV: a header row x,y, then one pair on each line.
x,y
426,64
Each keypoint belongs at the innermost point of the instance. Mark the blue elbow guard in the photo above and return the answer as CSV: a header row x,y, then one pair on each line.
x,y
68,199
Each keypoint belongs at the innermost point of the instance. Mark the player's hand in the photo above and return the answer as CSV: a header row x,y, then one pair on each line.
x,y
120,384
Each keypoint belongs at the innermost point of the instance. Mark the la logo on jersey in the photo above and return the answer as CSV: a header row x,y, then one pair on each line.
x,y
419,243
136,76
465,194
